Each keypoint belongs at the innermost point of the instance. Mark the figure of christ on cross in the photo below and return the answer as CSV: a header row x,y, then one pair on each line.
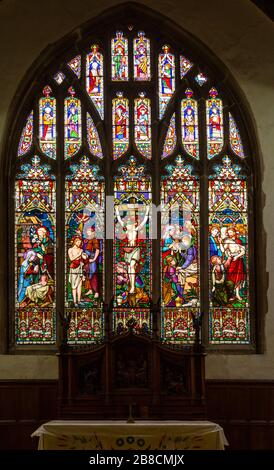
x,y
132,252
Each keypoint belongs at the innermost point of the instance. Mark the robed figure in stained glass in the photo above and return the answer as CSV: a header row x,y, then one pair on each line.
x,y
92,248
119,58
120,122
222,288
228,253
235,252
189,124
180,268
47,120
28,269
95,71
141,58
167,71
35,283
142,120
73,121
132,251
84,259
227,259
214,122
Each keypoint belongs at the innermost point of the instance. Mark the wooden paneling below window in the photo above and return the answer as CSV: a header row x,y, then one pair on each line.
x,y
245,409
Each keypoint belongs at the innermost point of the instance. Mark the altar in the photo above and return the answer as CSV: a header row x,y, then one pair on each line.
x,y
139,435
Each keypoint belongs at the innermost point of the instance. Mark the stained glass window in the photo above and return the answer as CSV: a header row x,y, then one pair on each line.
x,y
180,297
119,58
120,125
166,73
73,124
47,123
26,136
35,254
235,138
132,249
214,122
142,121
59,77
185,66
170,139
228,255
94,143
84,252
75,65
189,118
95,78
201,79
110,120
141,52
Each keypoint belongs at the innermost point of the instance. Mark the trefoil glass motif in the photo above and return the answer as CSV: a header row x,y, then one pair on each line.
x,y
201,79
59,77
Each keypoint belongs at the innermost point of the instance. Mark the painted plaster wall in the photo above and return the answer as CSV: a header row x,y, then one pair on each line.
x,y
241,36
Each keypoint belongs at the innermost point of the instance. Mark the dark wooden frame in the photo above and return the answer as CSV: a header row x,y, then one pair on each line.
x,y
161,396
100,31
